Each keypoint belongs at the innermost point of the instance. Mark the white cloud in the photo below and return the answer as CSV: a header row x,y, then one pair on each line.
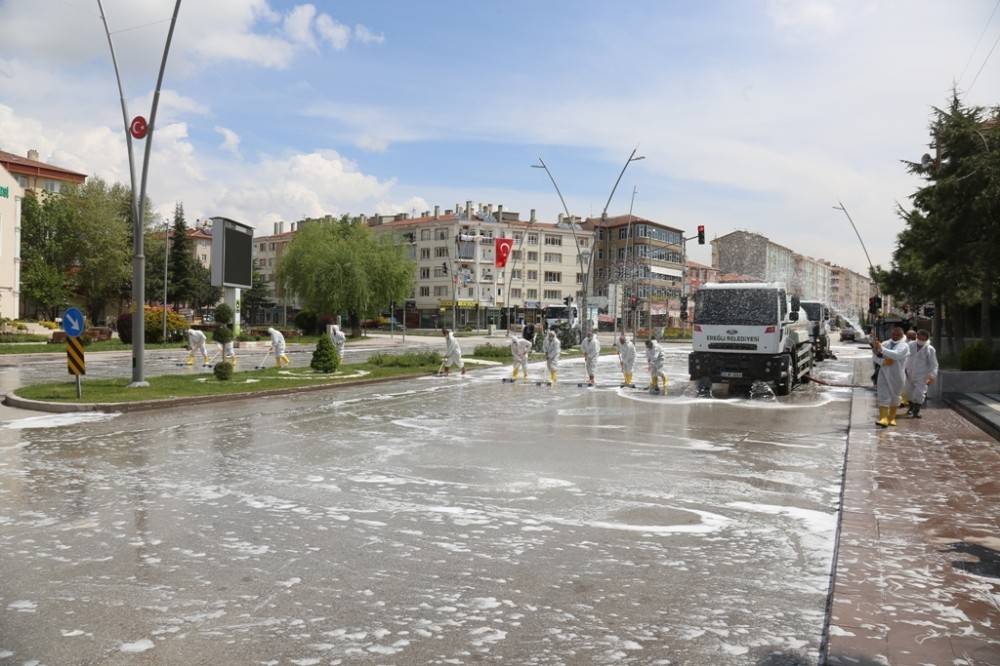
x,y
298,26
336,34
366,36
230,140
803,14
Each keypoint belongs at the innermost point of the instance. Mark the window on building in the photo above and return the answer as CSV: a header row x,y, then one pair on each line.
x,y
441,234
21,180
532,293
441,251
411,252
50,185
584,242
516,255
439,272
600,234
579,278
516,274
623,233
532,275
621,253
579,295
532,239
515,292
553,258
270,262
425,234
425,253
552,294
272,247
425,291
425,272
553,276
471,292
532,256
553,240
600,253
518,237
440,290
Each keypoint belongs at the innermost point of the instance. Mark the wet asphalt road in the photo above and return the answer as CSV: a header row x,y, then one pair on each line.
x,y
427,521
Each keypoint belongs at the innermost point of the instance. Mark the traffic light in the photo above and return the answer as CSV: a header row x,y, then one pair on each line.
x,y
872,309
878,304
568,300
684,303
444,267
701,234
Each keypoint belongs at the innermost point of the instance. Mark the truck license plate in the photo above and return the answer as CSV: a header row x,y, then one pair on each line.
x,y
732,375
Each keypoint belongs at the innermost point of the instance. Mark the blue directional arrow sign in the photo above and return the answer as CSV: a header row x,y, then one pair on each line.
x,y
72,322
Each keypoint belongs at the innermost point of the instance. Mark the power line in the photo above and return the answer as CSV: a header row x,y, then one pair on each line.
x,y
142,25
975,48
983,66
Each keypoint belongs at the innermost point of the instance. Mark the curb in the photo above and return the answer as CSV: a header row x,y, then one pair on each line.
x,y
974,412
12,400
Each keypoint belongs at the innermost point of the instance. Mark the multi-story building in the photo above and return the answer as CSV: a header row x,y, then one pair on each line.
x,y
266,252
201,243
19,175
753,255
11,194
849,293
35,176
643,256
455,264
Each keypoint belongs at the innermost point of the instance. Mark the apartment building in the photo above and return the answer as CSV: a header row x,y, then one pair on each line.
x,y
755,256
849,292
35,176
11,194
455,272
645,257
266,252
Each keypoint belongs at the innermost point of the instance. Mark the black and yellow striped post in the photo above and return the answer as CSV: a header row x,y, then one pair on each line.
x,y
76,363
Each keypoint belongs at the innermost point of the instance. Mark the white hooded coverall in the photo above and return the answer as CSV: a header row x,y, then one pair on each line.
x,y
656,362
921,365
552,348
591,347
196,340
626,350
519,348
452,352
338,339
890,377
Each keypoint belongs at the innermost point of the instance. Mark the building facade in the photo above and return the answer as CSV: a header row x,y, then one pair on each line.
x,y
11,194
643,256
752,255
35,176
267,250
456,276
849,293
697,275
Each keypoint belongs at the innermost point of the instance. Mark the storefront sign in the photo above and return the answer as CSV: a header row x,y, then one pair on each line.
x,y
4,192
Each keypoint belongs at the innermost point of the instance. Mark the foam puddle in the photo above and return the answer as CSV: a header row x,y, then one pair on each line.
x,y
58,420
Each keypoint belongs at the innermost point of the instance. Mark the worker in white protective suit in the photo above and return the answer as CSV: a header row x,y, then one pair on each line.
x,y
196,345
452,353
552,348
911,342
921,371
626,354
278,347
519,350
657,361
229,352
891,356
591,348
338,339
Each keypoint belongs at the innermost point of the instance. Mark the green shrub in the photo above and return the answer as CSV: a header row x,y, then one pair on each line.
x,y
22,337
223,371
492,351
223,314
176,326
244,337
222,334
977,356
325,358
676,334
407,360
22,327
51,325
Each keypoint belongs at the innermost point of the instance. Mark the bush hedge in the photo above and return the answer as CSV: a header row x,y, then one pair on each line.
x,y
492,351
407,360
176,326
223,371
979,356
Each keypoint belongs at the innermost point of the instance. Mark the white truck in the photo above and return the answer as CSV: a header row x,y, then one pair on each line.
x,y
749,331
562,314
818,314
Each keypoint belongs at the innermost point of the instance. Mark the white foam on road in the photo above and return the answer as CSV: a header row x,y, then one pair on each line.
x,y
58,420
137,646
814,521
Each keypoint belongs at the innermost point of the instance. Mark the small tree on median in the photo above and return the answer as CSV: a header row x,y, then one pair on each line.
x,y
325,358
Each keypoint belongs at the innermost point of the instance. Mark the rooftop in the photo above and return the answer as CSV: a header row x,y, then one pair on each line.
x,y
32,166
622,220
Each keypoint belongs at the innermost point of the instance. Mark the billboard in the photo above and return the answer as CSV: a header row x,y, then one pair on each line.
x,y
232,253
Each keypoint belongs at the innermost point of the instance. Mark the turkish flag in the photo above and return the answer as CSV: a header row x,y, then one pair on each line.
x,y
502,246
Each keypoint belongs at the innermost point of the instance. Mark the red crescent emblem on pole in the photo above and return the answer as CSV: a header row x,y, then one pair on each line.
x,y
138,128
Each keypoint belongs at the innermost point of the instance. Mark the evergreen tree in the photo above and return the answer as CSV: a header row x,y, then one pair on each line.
x,y
325,358
254,298
182,285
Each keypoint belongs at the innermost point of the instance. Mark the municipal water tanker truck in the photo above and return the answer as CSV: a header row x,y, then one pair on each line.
x,y
746,332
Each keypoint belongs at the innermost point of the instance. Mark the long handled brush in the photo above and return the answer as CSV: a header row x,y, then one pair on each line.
x,y
260,365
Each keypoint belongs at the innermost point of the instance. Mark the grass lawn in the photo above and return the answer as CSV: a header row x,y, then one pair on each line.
x,y
205,383
60,348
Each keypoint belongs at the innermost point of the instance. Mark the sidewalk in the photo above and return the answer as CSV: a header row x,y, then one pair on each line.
x,y
983,409
917,573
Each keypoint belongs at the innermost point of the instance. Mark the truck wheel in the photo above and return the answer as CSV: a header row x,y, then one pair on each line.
x,y
784,385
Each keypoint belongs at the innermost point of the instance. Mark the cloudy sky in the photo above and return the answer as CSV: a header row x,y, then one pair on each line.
x,y
752,115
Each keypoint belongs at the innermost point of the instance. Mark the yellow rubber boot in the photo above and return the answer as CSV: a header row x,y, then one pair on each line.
x,y
628,379
514,377
892,415
285,360
190,360
664,384
552,376
883,417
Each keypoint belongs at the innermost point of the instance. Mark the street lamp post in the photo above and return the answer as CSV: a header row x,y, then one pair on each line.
x,y
166,263
139,200
585,270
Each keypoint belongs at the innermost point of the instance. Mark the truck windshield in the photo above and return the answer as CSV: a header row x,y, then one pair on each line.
x,y
812,311
556,312
736,307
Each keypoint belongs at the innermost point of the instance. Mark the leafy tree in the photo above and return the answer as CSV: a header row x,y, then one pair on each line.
x,y
204,294
182,286
45,285
254,299
224,314
340,266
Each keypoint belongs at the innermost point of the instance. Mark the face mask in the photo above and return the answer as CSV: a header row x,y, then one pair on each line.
x,y
921,343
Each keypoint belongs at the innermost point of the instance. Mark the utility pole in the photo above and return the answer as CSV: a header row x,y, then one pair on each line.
x,y
166,264
140,129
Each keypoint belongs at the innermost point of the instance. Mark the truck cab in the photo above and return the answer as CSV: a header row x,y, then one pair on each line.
x,y
749,331
818,315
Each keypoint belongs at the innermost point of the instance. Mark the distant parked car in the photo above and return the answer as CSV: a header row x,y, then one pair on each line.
x,y
847,334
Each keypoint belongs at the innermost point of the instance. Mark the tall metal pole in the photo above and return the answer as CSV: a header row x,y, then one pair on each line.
x,y
139,200
166,263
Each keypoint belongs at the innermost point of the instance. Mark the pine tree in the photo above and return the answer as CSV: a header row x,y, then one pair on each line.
x,y
182,285
325,358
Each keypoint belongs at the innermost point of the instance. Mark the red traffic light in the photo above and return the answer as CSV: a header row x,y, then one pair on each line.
x,y
701,234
